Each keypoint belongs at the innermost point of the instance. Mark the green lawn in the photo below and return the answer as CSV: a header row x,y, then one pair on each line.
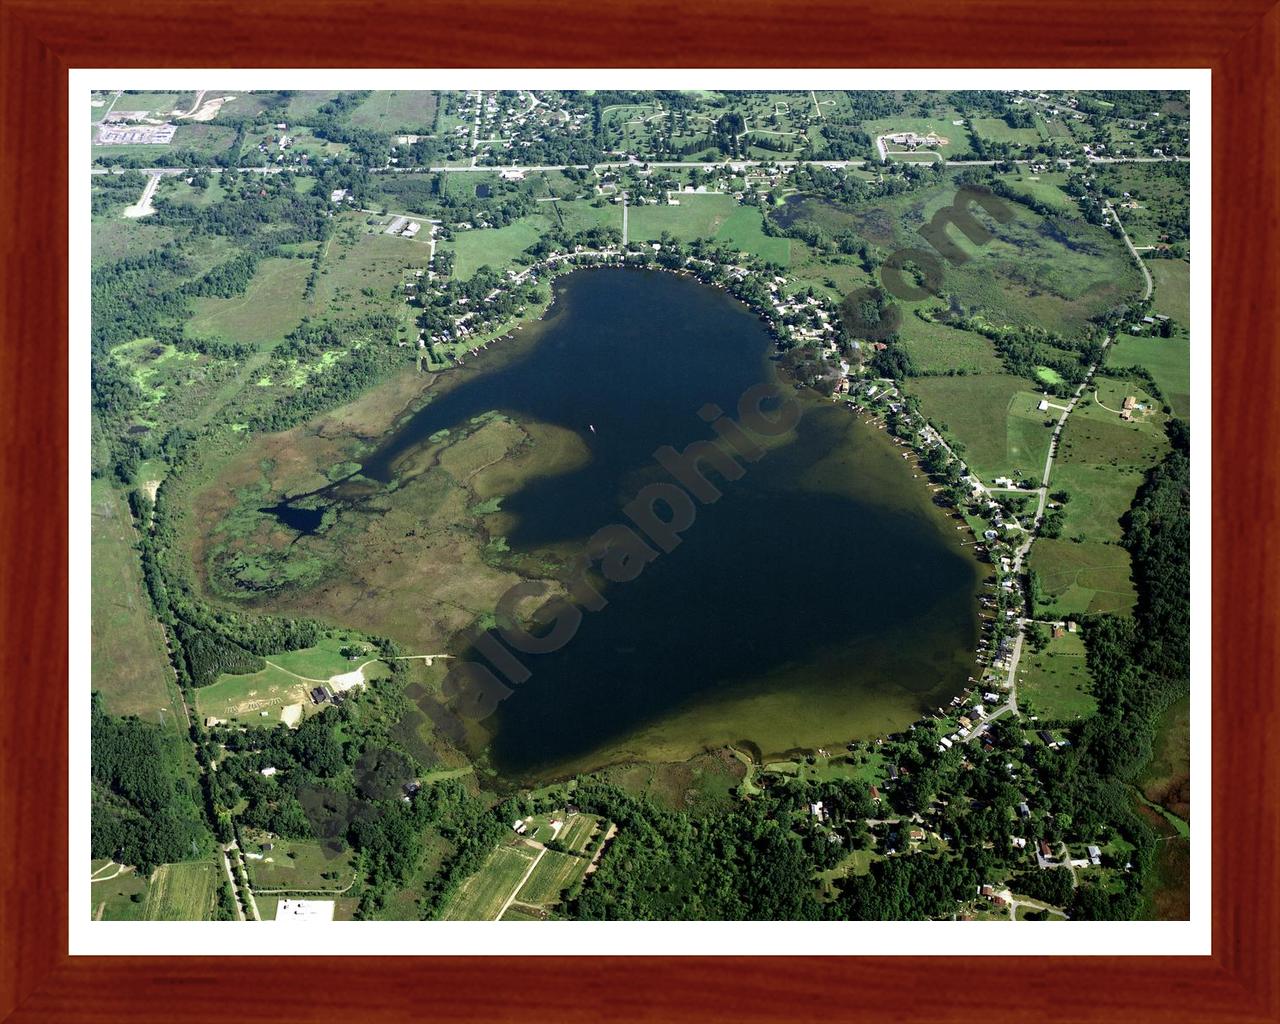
x,y
993,416
128,658
1054,683
295,865
697,216
481,897
957,136
996,129
494,247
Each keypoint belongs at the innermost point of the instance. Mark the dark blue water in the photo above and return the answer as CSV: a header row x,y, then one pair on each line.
x,y
821,585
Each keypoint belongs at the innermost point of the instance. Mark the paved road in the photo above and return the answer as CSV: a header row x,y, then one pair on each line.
x,y
732,165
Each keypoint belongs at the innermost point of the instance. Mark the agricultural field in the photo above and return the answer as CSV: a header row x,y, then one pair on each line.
x,y
993,416
555,873
483,895
129,660
1054,683
409,111
186,891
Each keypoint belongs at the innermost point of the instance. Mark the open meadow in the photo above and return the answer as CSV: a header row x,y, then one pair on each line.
x,y
128,657
1054,683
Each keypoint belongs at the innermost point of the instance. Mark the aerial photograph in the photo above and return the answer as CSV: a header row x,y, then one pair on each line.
x,y
621,505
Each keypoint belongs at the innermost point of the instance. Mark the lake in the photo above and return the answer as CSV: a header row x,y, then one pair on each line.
x,y
823,598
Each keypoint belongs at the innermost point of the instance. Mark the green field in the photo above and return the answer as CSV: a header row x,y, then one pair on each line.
x,y
957,135
287,679
1045,188
939,348
1082,577
481,897
996,129
128,658
493,247
1168,359
409,111
113,899
555,873
183,892
1054,684
710,215
578,830
993,417
269,309
297,866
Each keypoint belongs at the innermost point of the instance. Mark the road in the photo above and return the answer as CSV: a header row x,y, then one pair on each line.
x,y
143,206
1142,264
731,165
231,879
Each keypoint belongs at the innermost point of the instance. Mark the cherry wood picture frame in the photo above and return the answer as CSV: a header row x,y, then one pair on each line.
x,y
41,39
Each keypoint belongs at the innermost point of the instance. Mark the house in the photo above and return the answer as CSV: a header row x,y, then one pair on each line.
x,y
319,695
1045,852
1024,811
1095,855
413,228
1045,737
269,771
875,794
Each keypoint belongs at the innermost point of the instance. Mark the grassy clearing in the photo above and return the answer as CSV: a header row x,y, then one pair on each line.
x,y
129,661
1168,359
481,897
1172,295
996,129
938,348
1076,578
298,866
411,111
494,247
246,698
183,892
710,215
269,309
1055,683
122,898
993,417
